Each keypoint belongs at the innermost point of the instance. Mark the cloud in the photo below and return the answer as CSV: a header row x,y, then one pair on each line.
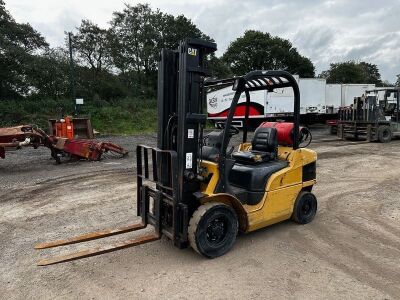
x,y
325,31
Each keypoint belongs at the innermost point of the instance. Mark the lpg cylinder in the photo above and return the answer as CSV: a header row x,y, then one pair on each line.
x,y
284,131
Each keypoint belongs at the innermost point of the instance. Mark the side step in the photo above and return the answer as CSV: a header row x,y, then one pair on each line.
x,y
97,250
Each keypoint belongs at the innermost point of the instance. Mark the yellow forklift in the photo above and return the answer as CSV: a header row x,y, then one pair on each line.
x,y
195,191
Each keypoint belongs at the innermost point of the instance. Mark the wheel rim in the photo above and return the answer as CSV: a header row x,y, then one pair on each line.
x,y
385,134
307,207
216,231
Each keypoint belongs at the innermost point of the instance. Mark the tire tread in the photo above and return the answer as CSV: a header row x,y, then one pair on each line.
x,y
195,220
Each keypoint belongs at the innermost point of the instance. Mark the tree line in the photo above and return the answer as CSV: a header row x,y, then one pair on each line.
x,y
121,61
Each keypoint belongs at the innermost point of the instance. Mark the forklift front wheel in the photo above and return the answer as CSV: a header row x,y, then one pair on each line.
x,y
213,229
305,208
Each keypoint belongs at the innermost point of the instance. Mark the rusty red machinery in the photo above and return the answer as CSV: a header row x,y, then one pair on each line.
x,y
20,136
32,136
71,127
88,149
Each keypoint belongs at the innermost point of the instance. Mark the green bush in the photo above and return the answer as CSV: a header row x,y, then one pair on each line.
x,y
127,116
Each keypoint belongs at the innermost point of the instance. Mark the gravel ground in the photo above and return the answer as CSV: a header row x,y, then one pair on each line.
x,y
350,251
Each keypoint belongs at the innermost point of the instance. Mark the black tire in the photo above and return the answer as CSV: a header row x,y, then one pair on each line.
x,y
213,229
384,134
305,208
333,130
55,156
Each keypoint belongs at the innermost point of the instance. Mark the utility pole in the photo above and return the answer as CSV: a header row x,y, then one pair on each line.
x,y
71,66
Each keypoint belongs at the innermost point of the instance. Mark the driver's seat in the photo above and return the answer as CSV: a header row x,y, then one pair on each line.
x,y
264,147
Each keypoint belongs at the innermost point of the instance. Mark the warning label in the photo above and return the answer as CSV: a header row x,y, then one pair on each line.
x,y
190,133
189,160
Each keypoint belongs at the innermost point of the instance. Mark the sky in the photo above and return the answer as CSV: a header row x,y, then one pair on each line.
x,y
325,31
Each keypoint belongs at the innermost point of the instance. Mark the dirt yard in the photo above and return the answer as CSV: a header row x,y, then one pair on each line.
x,y
350,251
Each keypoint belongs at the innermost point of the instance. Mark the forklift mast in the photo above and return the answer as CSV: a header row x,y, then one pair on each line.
x,y
181,120
180,104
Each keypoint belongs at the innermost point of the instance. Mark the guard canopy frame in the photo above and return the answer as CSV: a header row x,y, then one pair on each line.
x,y
254,81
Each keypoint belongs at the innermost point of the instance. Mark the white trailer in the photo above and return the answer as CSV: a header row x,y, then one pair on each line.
x,y
312,96
317,99
333,98
279,102
219,102
349,91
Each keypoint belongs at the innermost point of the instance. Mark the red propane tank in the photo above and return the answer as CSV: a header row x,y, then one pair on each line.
x,y
284,131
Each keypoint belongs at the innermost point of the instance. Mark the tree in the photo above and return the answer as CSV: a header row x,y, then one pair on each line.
x,y
219,69
257,50
175,29
133,40
91,46
352,72
398,80
49,74
346,72
371,73
137,35
18,44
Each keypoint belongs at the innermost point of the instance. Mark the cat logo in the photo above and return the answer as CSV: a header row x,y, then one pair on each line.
x,y
192,51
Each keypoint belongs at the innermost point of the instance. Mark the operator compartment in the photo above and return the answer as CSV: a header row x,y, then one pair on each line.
x,y
254,167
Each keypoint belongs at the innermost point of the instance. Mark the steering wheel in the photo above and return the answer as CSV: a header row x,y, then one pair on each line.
x,y
305,138
233,130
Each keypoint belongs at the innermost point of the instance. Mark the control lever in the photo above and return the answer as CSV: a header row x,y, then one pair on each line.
x,y
230,151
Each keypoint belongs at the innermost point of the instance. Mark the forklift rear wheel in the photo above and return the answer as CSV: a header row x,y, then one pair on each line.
x,y
305,208
384,134
213,229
